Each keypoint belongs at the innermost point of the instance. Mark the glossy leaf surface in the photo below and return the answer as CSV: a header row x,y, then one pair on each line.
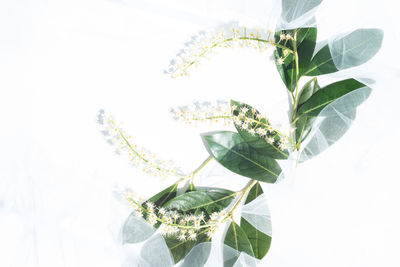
x,y
260,242
232,152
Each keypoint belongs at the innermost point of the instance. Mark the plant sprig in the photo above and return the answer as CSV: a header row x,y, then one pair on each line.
x,y
257,149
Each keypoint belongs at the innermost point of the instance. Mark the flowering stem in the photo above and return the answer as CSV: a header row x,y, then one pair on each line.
x,y
255,121
143,158
172,224
233,39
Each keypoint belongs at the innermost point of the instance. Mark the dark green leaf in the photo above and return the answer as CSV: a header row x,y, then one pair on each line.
x,y
260,242
179,249
322,63
306,40
256,141
303,127
210,199
328,94
305,45
164,196
161,198
351,50
237,239
308,90
232,152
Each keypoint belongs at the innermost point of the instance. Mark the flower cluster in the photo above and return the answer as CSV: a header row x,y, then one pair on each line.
x,y
218,112
138,156
173,223
247,118
256,124
202,45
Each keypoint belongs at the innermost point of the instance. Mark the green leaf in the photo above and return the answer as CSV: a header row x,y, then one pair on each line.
x,y
303,127
256,141
237,239
210,199
328,94
161,198
308,90
164,196
235,154
179,249
348,51
260,242
333,122
330,129
305,44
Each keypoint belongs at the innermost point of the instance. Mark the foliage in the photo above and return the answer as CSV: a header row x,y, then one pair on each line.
x,y
189,216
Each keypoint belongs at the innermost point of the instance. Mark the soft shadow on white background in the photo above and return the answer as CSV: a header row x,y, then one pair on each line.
x,y
61,61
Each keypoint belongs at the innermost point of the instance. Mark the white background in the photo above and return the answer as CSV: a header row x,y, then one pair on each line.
x,y
60,61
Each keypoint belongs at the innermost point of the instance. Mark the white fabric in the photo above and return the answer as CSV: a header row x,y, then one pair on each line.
x,y
60,61
257,214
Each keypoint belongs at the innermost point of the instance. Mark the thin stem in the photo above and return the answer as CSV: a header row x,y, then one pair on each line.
x,y
244,192
296,95
209,159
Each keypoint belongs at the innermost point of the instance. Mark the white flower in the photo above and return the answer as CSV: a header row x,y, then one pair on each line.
x,y
150,207
175,216
252,131
260,116
200,217
245,126
196,224
152,219
282,36
173,229
188,218
244,110
285,52
139,213
237,120
192,235
161,211
261,131
164,229
214,216
168,220
182,237
281,61
282,146
270,140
